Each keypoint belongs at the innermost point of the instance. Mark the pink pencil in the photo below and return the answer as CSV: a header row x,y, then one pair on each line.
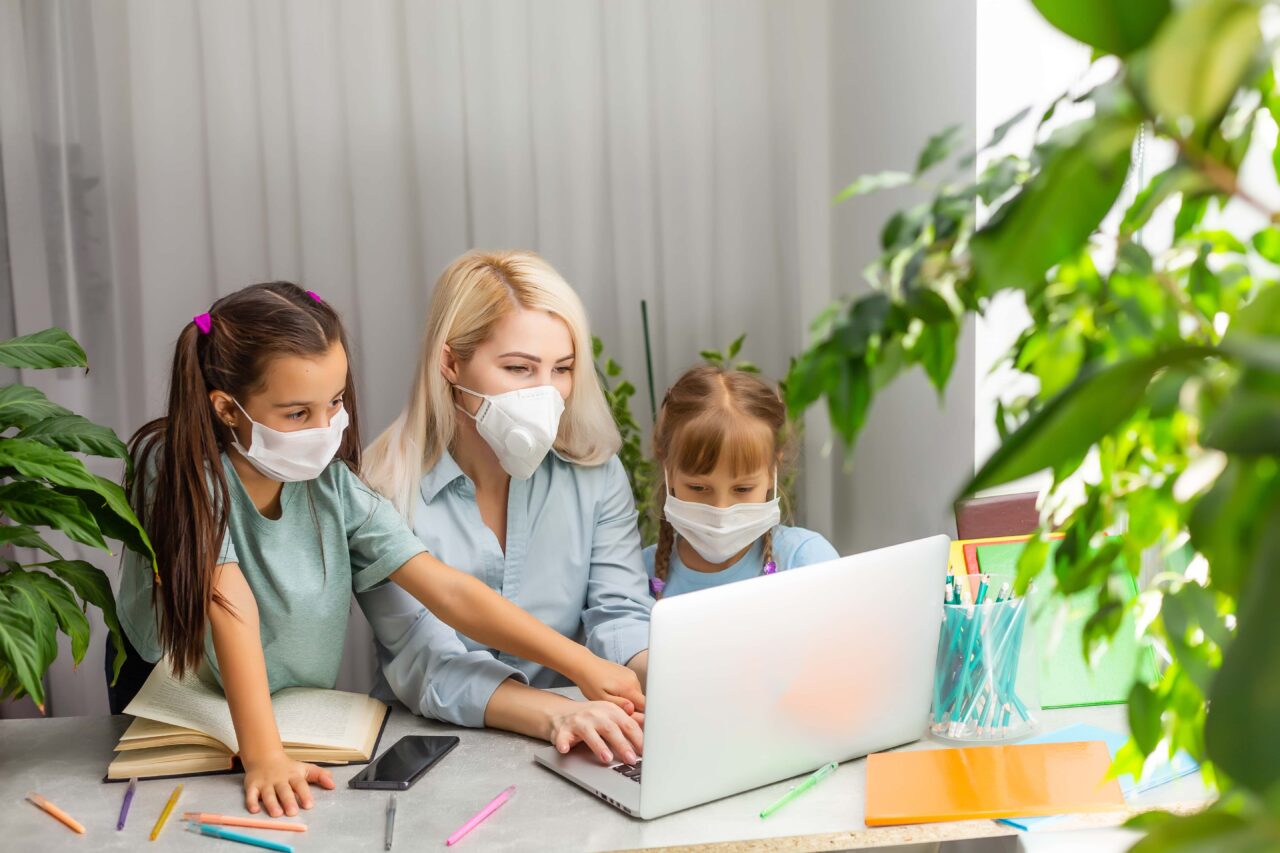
x,y
480,816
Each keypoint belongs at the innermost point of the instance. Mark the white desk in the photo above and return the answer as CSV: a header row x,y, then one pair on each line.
x,y
64,759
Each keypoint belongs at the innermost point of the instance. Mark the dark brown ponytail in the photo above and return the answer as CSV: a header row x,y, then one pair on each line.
x,y
185,508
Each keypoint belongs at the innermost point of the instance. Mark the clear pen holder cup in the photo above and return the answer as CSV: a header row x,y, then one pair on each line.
x,y
986,682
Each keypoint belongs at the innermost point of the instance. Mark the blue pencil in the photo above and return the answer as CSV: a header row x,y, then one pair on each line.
x,y
228,835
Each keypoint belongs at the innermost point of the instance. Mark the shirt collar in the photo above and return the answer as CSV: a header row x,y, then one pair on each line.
x,y
444,473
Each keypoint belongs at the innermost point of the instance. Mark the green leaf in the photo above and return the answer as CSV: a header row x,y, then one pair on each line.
x,y
1111,27
61,603
1057,210
712,355
873,183
1070,423
1209,831
92,585
49,348
1178,178
33,459
77,434
1190,214
1261,316
21,536
1241,732
1201,58
30,503
848,399
936,350
20,649
937,149
1247,423
1009,124
1267,244
736,346
1144,717
22,406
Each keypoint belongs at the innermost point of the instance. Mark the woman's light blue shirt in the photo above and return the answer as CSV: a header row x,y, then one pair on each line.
x,y
793,547
572,560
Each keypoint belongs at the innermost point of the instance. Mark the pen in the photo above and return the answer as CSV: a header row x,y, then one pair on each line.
x,y
250,822
391,821
128,798
50,808
228,835
817,776
164,815
480,816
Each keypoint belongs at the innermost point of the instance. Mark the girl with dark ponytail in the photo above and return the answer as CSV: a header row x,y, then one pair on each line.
x,y
249,489
721,439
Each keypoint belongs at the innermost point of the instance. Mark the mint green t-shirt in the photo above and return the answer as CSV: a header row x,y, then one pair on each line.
x,y
334,535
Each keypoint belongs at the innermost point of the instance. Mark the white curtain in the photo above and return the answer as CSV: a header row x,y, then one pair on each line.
x,y
159,153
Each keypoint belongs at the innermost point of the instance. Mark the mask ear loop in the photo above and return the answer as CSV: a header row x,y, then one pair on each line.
x,y
472,393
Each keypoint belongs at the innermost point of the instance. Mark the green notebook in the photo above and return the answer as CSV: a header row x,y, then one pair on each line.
x,y
1066,680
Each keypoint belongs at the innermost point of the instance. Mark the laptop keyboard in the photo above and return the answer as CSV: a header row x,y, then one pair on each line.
x,y
631,771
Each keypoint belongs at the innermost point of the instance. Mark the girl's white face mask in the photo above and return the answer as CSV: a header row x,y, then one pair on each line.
x,y
520,426
719,533
291,457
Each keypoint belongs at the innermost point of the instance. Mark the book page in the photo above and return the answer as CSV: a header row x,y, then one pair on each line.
x,y
191,703
310,716
322,717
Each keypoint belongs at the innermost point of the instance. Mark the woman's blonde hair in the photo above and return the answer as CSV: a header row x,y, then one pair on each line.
x,y
472,296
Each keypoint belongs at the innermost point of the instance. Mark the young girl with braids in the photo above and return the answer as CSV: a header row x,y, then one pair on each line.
x,y
720,440
249,489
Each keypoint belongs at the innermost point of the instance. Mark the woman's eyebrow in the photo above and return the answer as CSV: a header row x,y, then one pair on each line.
x,y
534,358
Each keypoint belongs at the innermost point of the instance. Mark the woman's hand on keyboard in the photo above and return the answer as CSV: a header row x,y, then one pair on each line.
x,y
606,729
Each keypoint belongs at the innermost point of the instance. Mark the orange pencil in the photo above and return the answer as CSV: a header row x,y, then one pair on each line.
x,y
250,822
56,812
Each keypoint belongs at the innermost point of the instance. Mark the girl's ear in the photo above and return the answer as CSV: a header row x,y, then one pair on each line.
x,y
448,365
224,408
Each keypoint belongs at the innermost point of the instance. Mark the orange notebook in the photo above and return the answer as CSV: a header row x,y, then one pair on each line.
x,y
932,785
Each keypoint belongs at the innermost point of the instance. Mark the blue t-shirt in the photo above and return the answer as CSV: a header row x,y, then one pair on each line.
x,y
792,547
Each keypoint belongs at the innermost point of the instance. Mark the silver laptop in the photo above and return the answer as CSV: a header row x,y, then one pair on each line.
x,y
772,677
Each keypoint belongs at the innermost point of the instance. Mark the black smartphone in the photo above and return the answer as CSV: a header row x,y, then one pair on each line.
x,y
404,763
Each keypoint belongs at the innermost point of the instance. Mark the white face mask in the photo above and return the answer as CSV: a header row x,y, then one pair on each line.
x,y
291,457
718,533
520,426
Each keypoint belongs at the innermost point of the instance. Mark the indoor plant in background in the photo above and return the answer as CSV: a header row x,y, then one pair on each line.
x,y
45,485
1160,365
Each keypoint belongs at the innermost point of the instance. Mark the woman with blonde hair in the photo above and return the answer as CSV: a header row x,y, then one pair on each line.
x,y
504,462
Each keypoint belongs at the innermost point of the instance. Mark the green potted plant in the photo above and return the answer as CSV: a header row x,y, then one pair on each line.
x,y
1161,364
46,486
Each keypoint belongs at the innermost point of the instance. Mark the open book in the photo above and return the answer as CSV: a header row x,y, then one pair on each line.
x,y
183,727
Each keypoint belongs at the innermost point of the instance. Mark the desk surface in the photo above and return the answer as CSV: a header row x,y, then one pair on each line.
x,y
64,759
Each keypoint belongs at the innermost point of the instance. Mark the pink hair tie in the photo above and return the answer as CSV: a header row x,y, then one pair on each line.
x,y
203,322
313,295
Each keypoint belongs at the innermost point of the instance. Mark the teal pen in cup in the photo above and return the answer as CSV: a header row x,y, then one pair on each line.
x,y
817,776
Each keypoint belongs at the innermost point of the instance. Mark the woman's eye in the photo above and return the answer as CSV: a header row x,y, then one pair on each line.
x,y
517,368
297,416
333,404
745,490
564,370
